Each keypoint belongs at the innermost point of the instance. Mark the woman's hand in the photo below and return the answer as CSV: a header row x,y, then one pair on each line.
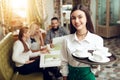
x,y
94,66
51,45
45,50
30,61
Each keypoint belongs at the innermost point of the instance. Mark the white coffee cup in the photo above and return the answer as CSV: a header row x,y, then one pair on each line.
x,y
104,51
97,55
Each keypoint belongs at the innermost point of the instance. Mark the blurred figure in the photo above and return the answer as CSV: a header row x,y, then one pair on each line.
x,y
64,20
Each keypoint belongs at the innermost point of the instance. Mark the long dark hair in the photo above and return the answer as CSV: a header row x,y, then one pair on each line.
x,y
20,36
89,24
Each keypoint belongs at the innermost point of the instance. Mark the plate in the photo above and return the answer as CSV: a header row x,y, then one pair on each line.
x,y
102,60
86,55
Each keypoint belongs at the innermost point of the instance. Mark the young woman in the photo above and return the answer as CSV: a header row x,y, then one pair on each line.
x,y
36,38
82,38
22,54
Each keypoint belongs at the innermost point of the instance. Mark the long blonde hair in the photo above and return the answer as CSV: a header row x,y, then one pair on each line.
x,y
38,38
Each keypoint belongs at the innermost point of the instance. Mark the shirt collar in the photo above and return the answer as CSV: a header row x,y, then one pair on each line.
x,y
87,38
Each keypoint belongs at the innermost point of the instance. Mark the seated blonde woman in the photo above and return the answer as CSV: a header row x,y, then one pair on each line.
x,y
36,38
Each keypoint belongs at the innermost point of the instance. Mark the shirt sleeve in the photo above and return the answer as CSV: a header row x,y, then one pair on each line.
x,y
17,51
64,31
99,43
64,60
35,54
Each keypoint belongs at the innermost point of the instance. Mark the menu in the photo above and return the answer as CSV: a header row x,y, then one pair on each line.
x,y
51,59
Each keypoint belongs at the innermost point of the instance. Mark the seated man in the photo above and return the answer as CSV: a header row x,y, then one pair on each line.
x,y
55,31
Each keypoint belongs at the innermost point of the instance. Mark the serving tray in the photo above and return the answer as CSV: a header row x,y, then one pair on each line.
x,y
87,61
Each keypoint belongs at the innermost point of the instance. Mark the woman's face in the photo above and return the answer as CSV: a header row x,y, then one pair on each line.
x,y
78,19
27,34
36,29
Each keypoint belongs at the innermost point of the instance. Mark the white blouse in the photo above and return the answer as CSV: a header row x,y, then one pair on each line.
x,y
71,44
20,57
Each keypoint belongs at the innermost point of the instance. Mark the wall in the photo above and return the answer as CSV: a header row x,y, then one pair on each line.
x,y
49,6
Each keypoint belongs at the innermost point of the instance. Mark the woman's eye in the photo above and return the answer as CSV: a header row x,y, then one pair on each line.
x,y
80,17
73,18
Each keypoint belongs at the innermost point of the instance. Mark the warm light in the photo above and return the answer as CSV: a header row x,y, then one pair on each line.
x,y
19,7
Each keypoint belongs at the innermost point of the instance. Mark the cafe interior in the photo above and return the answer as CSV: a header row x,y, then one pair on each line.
x,y
105,15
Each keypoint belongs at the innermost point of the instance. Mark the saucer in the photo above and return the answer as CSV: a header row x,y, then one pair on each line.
x,y
81,55
100,60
